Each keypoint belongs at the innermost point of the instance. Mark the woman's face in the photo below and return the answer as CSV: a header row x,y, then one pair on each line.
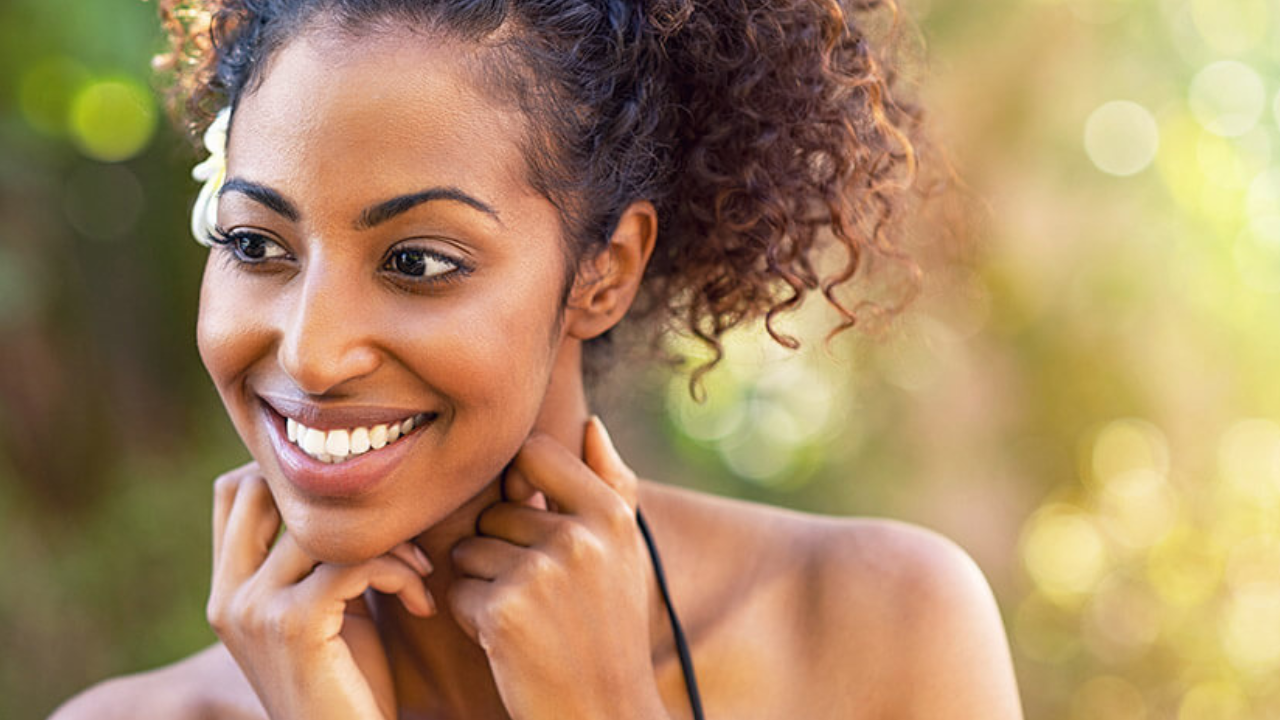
x,y
387,260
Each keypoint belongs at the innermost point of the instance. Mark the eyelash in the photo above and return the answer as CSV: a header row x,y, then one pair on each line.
x,y
232,241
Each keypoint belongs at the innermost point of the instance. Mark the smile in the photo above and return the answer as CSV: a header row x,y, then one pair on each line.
x,y
343,444
341,451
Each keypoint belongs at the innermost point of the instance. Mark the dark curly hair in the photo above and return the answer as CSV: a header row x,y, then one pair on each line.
x,y
761,130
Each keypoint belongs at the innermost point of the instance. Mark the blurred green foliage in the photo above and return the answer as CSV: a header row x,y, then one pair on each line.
x,y
1089,404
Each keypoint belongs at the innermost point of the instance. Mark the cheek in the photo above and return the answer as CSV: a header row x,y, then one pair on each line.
x,y
228,335
490,358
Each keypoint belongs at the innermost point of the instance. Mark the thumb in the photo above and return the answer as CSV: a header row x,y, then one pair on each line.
x,y
602,457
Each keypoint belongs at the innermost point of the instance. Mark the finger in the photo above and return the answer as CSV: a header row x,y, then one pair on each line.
x,y
561,476
469,602
224,495
251,526
601,456
359,607
516,524
286,563
413,556
385,574
486,558
516,488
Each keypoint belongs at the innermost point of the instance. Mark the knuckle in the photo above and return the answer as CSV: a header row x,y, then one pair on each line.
x,y
225,614
501,616
216,615
225,485
619,517
280,621
539,565
576,542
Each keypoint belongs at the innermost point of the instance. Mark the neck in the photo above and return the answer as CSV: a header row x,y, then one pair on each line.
x,y
439,671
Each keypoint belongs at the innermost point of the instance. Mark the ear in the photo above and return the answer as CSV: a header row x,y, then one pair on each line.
x,y
607,283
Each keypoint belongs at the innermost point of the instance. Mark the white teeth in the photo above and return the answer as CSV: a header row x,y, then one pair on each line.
x,y
338,443
359,441
336,446
313,441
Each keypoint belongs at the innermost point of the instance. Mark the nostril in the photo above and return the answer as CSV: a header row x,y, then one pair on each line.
x,y
323,368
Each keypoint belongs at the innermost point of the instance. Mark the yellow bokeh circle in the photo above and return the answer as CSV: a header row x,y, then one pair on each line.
x,y
113,119
1064,552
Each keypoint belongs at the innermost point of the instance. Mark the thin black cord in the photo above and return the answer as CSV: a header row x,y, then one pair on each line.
x,y
682,647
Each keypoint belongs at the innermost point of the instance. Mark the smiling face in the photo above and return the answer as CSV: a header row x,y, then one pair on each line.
x,y
382,258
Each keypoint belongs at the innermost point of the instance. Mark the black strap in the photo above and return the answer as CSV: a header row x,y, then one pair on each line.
x,y
682,647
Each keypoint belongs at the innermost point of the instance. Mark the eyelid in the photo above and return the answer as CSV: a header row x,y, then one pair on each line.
x,y
461,267
223,235
226,240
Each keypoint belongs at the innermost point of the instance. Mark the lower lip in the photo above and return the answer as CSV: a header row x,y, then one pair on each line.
x,y
349,478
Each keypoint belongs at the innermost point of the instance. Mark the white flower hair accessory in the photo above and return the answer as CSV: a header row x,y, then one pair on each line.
x,y
212,172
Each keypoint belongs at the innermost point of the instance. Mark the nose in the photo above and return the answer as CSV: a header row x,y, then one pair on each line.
x,y
326,340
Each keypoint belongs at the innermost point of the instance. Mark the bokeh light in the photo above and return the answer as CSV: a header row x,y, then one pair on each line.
x,y
1227,97
1234,26
46,92
1121,137
763,409
114,119
103,202
1064,552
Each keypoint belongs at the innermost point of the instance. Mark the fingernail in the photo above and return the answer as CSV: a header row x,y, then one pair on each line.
x,y
604,435
425,566
595,420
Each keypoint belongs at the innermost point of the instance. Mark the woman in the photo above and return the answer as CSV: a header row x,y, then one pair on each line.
x,y
430,216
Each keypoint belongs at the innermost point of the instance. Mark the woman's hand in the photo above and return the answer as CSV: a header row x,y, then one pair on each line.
x,y
300,630
559,599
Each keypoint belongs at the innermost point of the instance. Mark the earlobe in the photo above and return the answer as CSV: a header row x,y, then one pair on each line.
x,y
607,283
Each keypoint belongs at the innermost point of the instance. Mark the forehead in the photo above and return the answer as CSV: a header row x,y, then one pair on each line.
x,y
376,114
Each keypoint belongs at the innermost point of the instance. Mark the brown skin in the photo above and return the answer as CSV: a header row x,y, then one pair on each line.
x,y
538,599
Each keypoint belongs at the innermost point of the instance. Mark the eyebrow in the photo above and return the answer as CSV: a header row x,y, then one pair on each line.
x,y
263,195
388,209
371,216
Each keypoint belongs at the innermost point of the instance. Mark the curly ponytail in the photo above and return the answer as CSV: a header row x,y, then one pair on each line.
x,y
762,130
792,135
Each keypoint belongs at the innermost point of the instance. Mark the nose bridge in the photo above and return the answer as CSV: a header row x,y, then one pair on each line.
x,y
324,342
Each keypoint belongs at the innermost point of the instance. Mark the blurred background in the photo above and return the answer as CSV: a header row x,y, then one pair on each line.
x,y
1087,400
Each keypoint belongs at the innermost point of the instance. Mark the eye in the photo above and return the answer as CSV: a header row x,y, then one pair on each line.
x,y
424,265
249,247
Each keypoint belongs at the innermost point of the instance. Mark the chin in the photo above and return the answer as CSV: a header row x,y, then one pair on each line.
x,y
339,551
330,547
345,536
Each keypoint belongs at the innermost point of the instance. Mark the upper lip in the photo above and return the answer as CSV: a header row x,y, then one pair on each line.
x,y
336,417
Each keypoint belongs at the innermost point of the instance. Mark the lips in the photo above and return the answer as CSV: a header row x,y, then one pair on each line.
x,y
340,451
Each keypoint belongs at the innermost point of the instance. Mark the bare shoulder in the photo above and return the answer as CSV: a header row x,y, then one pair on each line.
x,y
875,617
922,612
205,686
